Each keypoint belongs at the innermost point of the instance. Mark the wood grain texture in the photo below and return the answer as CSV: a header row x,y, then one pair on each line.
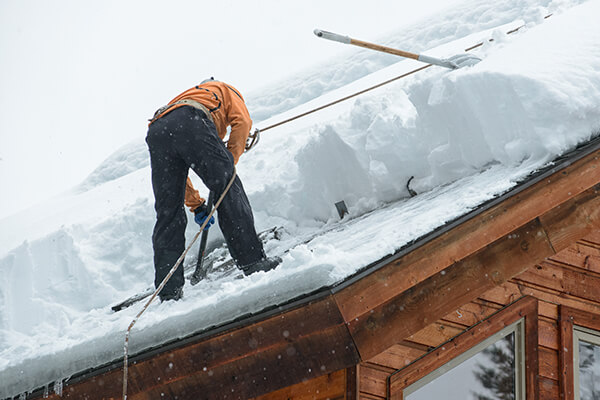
x,y
373,379
327,387
460,283
526,307
303,343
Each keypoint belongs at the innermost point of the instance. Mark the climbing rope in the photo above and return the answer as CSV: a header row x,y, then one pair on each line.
x,y
164,282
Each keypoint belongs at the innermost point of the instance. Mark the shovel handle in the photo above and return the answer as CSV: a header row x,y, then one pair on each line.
x,y
377,47
384,49
199,272
332,36
348,40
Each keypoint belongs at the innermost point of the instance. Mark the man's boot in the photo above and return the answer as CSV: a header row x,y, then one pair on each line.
x,y
266,264
174,295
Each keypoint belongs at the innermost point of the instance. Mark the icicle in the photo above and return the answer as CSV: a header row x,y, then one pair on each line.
x,y
46,392
58,387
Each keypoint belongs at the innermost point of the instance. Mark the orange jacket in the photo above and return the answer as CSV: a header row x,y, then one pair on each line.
x,y
227,108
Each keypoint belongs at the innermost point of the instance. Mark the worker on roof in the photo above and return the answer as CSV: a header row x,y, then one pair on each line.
x,y
188,133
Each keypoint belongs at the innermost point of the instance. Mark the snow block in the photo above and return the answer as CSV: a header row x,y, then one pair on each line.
x,y
331,172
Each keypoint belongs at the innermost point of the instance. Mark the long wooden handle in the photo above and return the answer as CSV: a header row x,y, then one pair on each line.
x,y
348,40
377,47
384,49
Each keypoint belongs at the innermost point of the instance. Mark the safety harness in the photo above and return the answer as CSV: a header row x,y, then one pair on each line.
x,y
253,138
188,102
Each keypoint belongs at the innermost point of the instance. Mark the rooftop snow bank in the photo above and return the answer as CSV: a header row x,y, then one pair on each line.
x,y
467,136
467,18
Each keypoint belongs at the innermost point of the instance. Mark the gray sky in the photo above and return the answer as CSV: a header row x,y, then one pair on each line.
x,y
80,78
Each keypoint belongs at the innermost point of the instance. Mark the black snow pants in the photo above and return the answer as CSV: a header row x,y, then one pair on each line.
x,y
182,139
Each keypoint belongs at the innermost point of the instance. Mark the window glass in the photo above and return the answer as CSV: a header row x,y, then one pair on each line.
x,y
589,370
488,374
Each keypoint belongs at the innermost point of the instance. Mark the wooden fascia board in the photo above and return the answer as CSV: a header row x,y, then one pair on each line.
x,y
266,355
463,281
387,306
437,296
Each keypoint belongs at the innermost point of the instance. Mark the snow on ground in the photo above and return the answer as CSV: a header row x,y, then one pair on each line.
x,y
466,135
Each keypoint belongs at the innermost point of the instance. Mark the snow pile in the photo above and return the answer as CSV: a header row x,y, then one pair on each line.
x,y
127,159
458,22
466,135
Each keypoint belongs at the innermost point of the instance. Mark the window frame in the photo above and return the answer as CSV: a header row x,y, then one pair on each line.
x,y
523,313
581,334
572,321
518,328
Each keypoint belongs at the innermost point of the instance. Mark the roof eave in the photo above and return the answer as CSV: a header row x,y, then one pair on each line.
x,y
338,327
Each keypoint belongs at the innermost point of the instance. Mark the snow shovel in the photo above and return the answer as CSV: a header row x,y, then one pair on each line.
x,y
454,62
199,272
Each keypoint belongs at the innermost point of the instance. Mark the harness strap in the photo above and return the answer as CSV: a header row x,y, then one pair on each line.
x,y
214,94
187,102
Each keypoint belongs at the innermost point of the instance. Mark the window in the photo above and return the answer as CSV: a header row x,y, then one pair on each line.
x,y
493,369
495,359
586,345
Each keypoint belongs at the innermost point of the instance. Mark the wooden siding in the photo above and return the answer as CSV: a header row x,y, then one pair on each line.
x,y
564,286
524,308
326,387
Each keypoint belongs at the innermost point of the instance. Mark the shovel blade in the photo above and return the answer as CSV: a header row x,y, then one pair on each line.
x,y
464,60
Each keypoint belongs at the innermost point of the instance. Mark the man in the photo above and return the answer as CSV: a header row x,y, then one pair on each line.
x,y
188,133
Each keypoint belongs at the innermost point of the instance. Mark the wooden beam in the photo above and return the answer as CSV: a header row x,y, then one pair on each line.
x,y
398,356
459,284
548,363
417,307
373,379
549,389
573,219
469,237
326,387
352,383
565,357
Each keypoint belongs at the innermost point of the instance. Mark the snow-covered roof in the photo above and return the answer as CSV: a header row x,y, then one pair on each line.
x,y
337,327
467,136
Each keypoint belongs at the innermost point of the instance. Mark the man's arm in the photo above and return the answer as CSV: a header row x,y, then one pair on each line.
x,y
240,122
192,197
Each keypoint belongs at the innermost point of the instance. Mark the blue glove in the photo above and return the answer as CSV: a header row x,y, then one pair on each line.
x,y
201,214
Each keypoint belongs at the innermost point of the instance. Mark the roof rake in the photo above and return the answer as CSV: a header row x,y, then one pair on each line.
x,y
454,62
